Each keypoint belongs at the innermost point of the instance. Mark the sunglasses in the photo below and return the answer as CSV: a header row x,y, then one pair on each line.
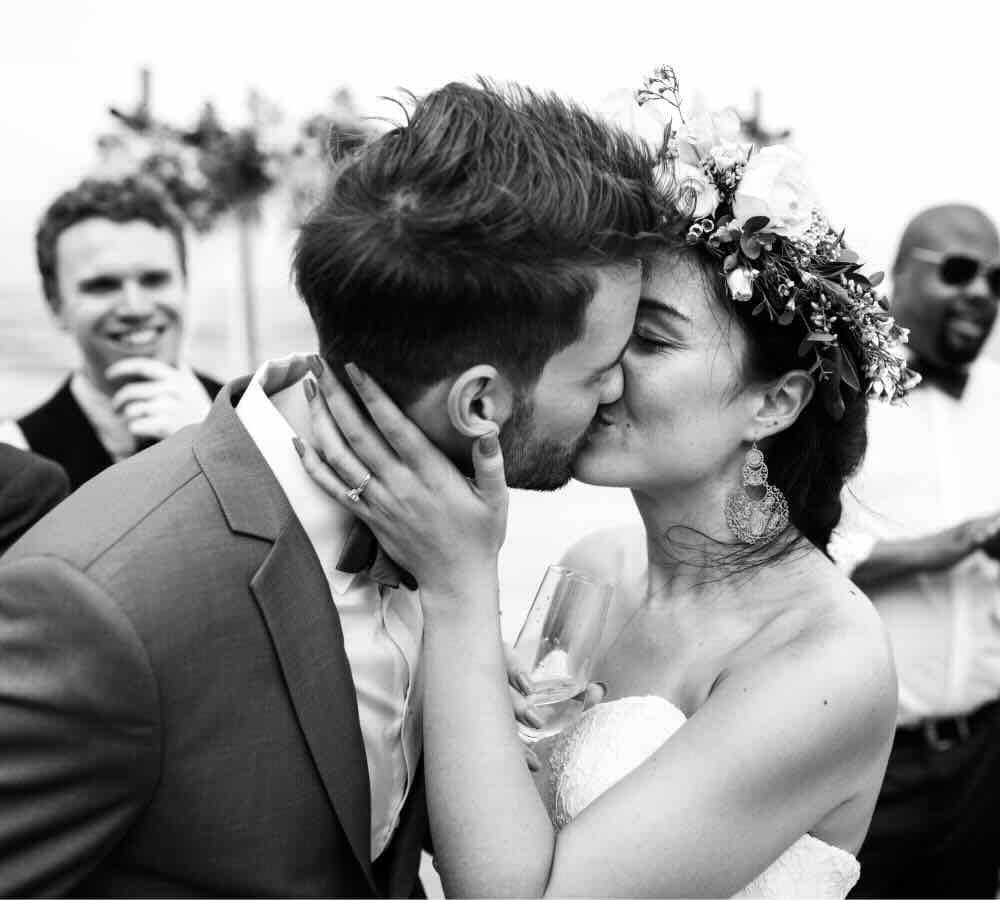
x,y
959,269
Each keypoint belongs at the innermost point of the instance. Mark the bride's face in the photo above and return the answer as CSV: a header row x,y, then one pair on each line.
x,y
684,411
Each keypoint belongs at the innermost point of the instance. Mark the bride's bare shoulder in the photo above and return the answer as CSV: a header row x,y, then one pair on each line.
x,y
611,554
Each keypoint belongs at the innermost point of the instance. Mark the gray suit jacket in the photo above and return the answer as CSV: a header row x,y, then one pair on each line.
x,y
177,713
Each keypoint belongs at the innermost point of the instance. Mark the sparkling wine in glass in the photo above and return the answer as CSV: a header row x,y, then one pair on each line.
x,y
557,645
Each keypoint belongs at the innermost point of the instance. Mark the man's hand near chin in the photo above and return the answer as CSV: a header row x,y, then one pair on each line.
x,y
157,399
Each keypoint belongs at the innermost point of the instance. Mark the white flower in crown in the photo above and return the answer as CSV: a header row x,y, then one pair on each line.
x,y
774,185
697,194
740,282
707,134
647,122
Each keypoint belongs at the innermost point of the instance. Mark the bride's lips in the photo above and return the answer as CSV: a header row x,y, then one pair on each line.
x,y
602,424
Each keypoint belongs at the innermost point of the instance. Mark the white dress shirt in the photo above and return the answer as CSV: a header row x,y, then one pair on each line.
x,y
932,462
382,627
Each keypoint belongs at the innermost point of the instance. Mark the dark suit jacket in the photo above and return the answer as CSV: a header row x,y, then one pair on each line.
x,y
29,487
61,431
177,713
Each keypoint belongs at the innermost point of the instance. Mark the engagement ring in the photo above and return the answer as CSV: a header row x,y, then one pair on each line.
x,y
355,493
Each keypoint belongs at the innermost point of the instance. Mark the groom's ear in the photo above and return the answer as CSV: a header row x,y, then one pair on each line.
x,y
480,400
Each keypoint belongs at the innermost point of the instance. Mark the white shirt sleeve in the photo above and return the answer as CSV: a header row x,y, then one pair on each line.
x,y
10,433
853,539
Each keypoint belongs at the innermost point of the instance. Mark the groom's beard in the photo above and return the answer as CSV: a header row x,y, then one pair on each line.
x,y
533,462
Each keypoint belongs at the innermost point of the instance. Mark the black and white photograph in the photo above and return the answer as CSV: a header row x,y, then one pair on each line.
x,y
524,450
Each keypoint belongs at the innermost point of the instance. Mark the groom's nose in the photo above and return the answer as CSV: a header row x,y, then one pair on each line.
x,y
612,385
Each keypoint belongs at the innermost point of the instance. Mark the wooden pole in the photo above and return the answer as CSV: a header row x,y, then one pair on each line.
x,y
248,289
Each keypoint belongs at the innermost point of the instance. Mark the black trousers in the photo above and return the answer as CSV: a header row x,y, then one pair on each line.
x,y
936,829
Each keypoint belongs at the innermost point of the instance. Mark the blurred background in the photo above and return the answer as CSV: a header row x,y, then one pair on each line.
x,y
892,106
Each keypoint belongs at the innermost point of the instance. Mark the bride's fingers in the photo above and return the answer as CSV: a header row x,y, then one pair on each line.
x,y
594,693
516,676
401,434
321,473
333,483
524,710
487,463
343,411
329,441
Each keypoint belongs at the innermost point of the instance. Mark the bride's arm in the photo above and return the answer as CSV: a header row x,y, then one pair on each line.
x,y
491,832
777,746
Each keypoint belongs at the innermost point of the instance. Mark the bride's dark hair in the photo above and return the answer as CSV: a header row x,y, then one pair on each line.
x,y
812,459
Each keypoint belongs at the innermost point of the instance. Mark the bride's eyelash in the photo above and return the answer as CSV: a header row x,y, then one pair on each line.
x,y
651,342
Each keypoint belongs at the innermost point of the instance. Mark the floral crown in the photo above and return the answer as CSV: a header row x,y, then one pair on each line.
x,y
752,210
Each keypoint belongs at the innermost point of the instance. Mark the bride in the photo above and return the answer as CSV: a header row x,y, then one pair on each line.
x,y
751,694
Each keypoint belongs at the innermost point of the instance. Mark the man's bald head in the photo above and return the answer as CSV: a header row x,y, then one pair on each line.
x,y
949,227
948,322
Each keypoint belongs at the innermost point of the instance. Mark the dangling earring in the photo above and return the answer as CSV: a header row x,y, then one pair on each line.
x,y
760,511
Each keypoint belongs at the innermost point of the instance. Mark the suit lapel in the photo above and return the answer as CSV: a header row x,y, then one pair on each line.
x,y
294,599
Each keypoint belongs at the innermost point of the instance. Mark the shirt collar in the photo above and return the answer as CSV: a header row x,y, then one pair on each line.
x,y
326,524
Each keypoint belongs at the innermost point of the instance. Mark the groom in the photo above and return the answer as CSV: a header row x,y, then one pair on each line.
x,y
209,678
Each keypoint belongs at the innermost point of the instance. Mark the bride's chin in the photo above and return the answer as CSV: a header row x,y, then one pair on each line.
x,y
589,468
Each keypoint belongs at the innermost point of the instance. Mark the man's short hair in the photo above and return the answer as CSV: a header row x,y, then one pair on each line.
x,y
472,234
127,199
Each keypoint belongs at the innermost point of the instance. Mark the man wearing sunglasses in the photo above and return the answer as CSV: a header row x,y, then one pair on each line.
x,y
920,533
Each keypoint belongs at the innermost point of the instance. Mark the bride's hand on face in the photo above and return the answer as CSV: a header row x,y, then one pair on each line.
x,y
444,528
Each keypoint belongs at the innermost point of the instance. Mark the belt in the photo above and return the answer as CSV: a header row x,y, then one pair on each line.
x,y
944,732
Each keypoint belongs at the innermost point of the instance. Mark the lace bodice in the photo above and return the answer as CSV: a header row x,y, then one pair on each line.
x,y
613,738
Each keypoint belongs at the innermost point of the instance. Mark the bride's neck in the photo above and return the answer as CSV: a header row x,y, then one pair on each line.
x,y
686,533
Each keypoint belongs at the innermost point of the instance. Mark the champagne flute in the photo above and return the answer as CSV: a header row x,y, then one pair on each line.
x,y
557,644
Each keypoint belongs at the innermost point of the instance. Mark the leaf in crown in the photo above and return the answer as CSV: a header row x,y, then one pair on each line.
x,y
754,211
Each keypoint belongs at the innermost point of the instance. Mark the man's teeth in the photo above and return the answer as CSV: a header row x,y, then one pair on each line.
x,y
138,338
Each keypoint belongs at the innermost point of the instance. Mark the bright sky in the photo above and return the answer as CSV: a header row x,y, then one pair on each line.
x,y
892,105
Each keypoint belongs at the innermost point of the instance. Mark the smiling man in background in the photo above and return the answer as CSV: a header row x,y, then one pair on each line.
x,y
112,260
920,536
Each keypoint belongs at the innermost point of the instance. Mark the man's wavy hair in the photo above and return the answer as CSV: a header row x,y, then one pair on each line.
x,y
123,200
472,234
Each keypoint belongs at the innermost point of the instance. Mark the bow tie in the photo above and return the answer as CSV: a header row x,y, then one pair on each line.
x,y
362,553
950,380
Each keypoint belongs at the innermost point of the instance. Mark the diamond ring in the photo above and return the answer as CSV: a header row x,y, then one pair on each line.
x,y
354,495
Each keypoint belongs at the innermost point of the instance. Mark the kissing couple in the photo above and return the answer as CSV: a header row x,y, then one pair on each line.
x,y
263,656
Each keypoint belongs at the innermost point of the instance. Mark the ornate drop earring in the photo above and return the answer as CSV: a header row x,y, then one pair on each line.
x,y
759,512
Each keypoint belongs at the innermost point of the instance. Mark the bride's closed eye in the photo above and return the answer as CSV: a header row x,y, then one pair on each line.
x,y
651,342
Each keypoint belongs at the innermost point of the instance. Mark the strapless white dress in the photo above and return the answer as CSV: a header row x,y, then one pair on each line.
x,y
612,739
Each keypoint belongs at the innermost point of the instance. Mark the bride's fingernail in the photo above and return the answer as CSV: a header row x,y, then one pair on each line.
x,y
489,444
309,386
300,448
354,373
316,365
